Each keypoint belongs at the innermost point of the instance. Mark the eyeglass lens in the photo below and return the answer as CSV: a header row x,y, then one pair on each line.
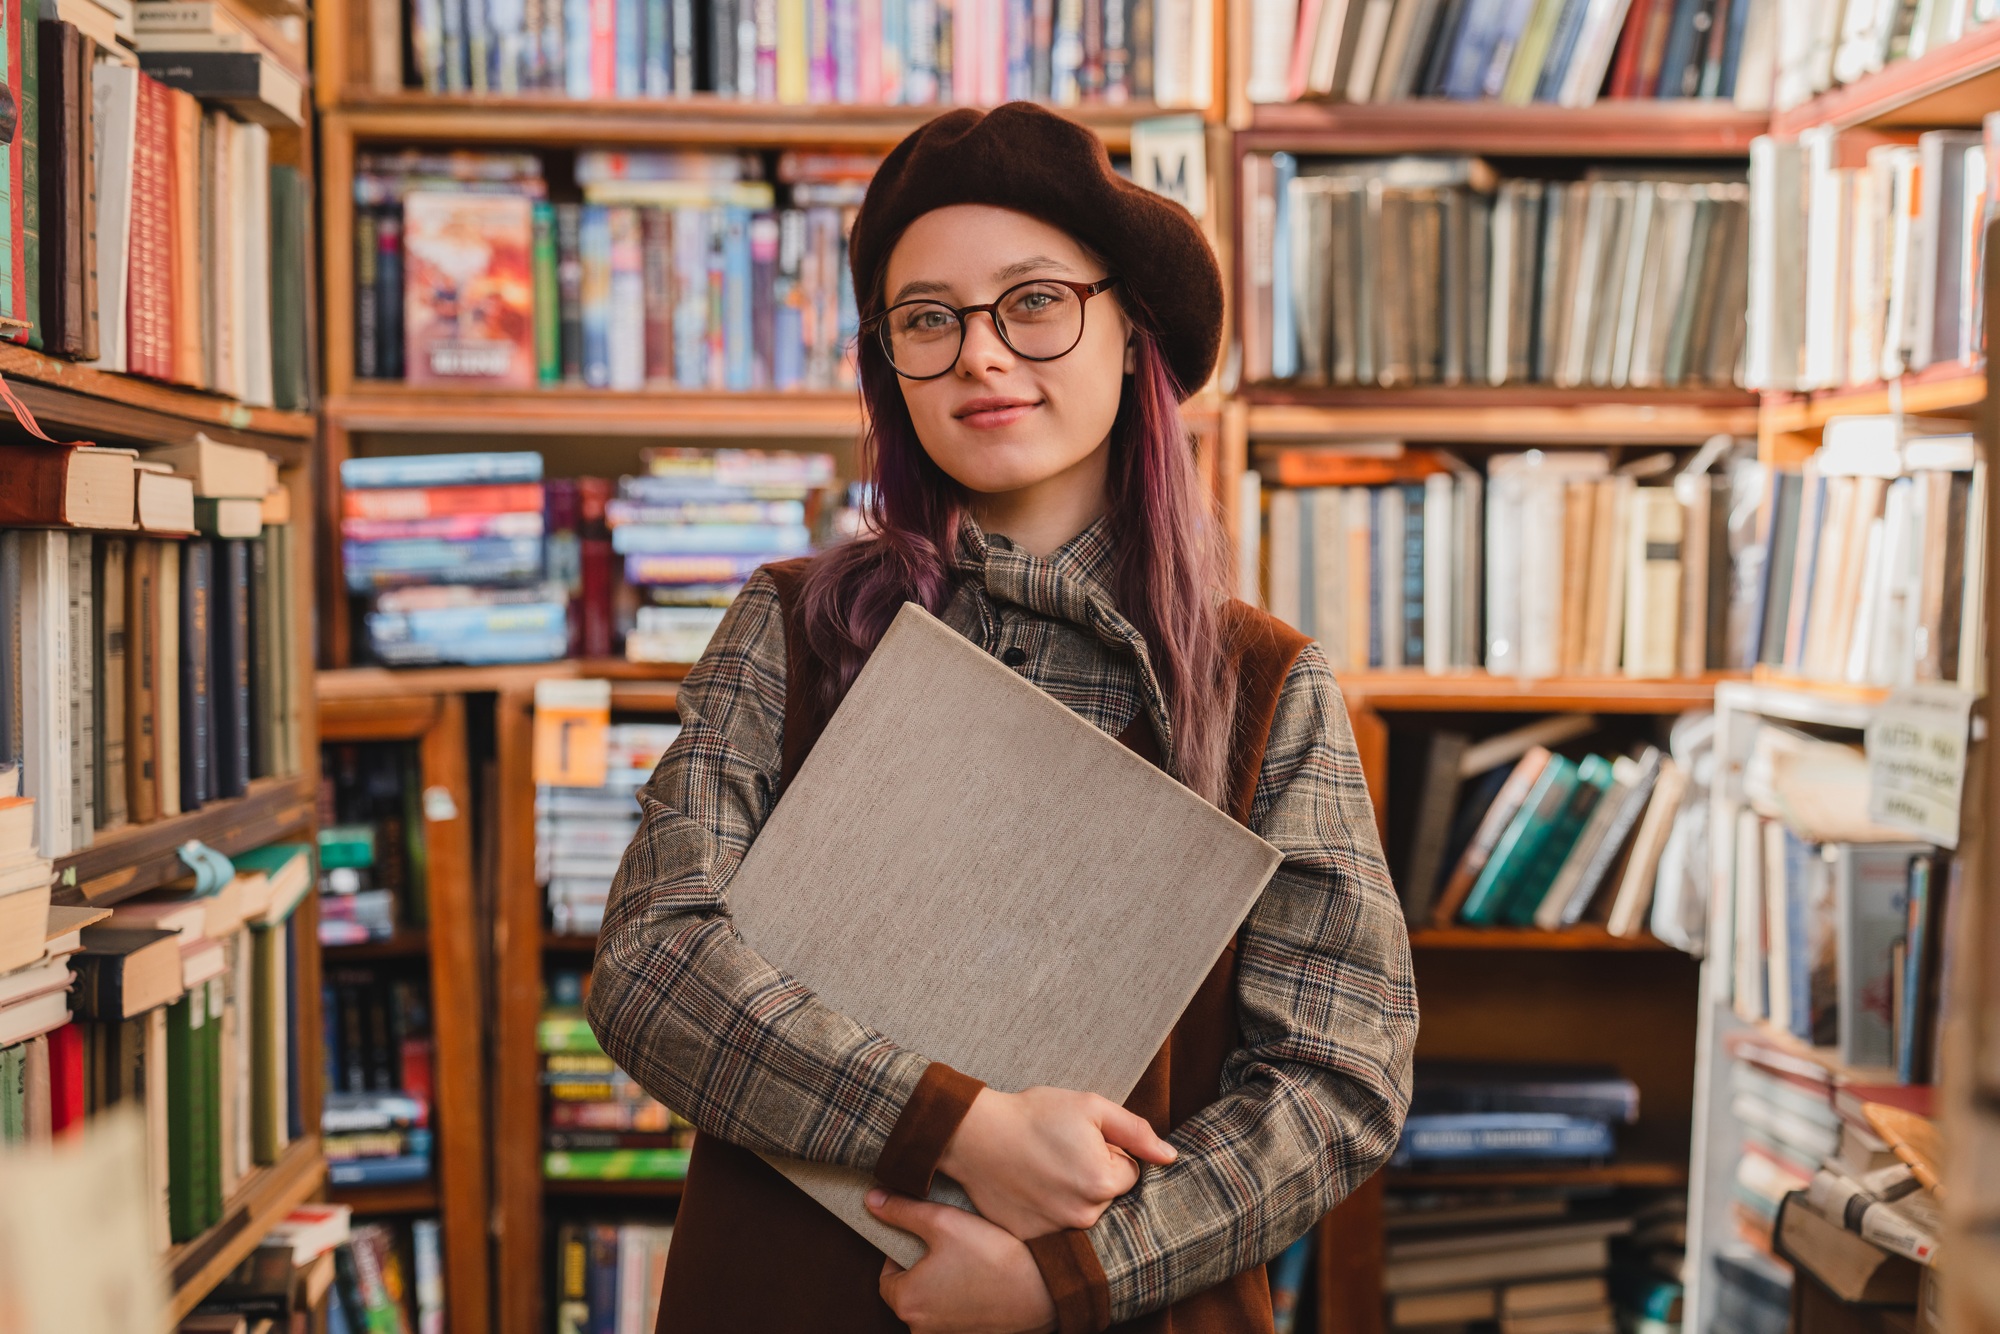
x,y
1038,320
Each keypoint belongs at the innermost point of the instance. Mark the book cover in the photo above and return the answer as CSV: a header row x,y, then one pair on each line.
x,y
197,685
469,289
1516,847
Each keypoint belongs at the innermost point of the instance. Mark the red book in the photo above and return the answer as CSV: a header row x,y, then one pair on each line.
x,y
66,1106
1625,69
436,502
161,129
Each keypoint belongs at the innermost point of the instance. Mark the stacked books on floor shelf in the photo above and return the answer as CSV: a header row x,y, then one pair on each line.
x,y
677,270
1877,557
151,668
182,1003
1836,927
1549,563
152,232
1889,278
813,52
371,847
600,1125
609,1275
1542,51
376,1124
1416,271
1827,1161
279,1287
581,833
1538,1260
1824,44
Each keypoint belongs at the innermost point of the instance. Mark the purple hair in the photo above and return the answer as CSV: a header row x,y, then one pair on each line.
x,y
1170,559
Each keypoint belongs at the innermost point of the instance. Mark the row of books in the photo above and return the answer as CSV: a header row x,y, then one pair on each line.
x,y
376,1123
815,52
1509,832
1866,1235
304,1266
1823,44
1549,51
1875,572
676,269
1836,928
373,868
1549,563
151,231
1437,271
1889,278
598,1124
581,833
609,1275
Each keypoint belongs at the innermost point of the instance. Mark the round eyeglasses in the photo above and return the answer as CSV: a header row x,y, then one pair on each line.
x,y
1038,320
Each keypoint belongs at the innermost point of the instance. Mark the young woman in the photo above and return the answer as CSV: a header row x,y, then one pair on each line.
x,y
1031,323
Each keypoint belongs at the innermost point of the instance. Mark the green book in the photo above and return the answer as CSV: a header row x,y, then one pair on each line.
x,y
211,1123
28,142
1516,848
615,1165
269,1015
13,1094
565,1031
187,1145
346,845
288,290
1593,780
548,303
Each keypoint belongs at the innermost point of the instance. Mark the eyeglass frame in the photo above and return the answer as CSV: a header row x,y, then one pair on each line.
x,y
1084,291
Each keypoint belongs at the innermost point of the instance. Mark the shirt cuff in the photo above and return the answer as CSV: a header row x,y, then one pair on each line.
x,y
928,1120
1075,1281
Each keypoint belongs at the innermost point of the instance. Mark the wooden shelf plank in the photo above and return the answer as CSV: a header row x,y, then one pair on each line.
x,y
701,119
568,944
643,683
1588,1174
799,414
648,1189
260,1203
416,1197
1953,85
137,858
1609,129
81,398
1509,414
1949,390
1526,939
409,943
1477,692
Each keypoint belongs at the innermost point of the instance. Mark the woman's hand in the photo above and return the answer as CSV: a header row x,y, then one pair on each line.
x,y
1046,1159
973,1279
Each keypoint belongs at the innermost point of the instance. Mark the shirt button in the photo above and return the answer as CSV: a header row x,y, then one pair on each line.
x,y
1014,657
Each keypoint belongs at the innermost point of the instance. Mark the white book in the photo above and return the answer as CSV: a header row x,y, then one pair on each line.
x,y
114,112
1249,503
1284,556
1873,559
1825,288
1468,508
1173,61
1640,255
1757,64
1751,989
1777,267
1595,46
1541,575
1369,39
1440,556
1972,633
1900,166
1777,935
1329,558
1323,69
253,347
1201,49
45,687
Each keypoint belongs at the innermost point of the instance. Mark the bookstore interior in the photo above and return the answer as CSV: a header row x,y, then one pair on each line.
x,y
397,396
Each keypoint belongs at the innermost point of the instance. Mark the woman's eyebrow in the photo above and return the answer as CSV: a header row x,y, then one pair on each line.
x,y
1019,268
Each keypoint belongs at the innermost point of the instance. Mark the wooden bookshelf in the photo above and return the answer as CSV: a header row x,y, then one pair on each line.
x,y
1637,128
86,400
261,1202
1528,939
387,406
1953,85
136,858
1637,1173
450,948
1511,415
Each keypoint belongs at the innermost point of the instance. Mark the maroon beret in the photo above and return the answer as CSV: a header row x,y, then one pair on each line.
x,y
1027,158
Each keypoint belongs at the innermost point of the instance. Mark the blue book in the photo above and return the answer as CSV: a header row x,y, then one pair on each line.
x,y
1724,85
424,555
442,624
1288,1277
1808,941
476,651
846,51
441,470
1459,1136
1413,575
712,539
1917,965
656,73
1284,321
380,1171
690,266
1507,36
649,490
1524,897
629,47
576,49
1519,843
1472,52
1683,46
1562,49
736,333
593,246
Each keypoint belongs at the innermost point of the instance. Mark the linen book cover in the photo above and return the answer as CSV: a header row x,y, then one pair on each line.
x,y
968,867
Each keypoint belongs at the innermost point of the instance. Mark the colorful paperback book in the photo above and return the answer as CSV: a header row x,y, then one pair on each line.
x,y
469,289
616,1165
1452,1136
441,470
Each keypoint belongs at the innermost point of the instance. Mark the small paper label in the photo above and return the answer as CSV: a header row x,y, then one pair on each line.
x,y
1170,157
1916,761
572,732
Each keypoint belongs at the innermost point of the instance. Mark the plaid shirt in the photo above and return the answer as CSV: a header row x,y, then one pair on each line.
x,y
1310,1104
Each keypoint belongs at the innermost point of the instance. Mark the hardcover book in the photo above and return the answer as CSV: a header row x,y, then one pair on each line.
x,y
469,298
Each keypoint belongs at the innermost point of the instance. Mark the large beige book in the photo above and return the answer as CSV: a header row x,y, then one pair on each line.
x,y
968,867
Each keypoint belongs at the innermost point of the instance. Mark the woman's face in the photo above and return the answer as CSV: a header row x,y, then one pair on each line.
x,y
997,422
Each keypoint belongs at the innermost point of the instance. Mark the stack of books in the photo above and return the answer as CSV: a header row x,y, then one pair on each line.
x,y
184,1007
677,270
371,847
1890,275
354,909
1468,1116
40,1050
696,524
600,1125
581,833
228,54
580,559
148,675
1876,565
1821,46
389,1276
1785,1104
1510,832
280,1284
609,1275
448,549
815,52
1544,51
1868,1224
375,1125
1535,1262
1753,1291
1421,271
1550,563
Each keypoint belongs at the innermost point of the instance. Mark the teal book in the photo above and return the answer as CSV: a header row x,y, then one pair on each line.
x,y
1516,848
1593,780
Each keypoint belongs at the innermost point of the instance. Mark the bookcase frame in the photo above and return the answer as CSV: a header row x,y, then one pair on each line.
x,y
450,946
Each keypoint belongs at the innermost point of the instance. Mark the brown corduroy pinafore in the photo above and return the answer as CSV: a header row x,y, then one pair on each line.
x,y
753,1254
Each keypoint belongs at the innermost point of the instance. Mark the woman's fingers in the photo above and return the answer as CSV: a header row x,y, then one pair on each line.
x,y
921,1218
1132,1133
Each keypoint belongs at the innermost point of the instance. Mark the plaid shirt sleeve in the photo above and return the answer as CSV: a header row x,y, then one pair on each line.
x,y
696,1016
1313,1100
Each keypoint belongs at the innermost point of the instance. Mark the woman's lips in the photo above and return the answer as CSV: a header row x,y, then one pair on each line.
x,y
991,413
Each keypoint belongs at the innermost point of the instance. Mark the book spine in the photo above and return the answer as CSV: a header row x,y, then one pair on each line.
x,y
196,686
